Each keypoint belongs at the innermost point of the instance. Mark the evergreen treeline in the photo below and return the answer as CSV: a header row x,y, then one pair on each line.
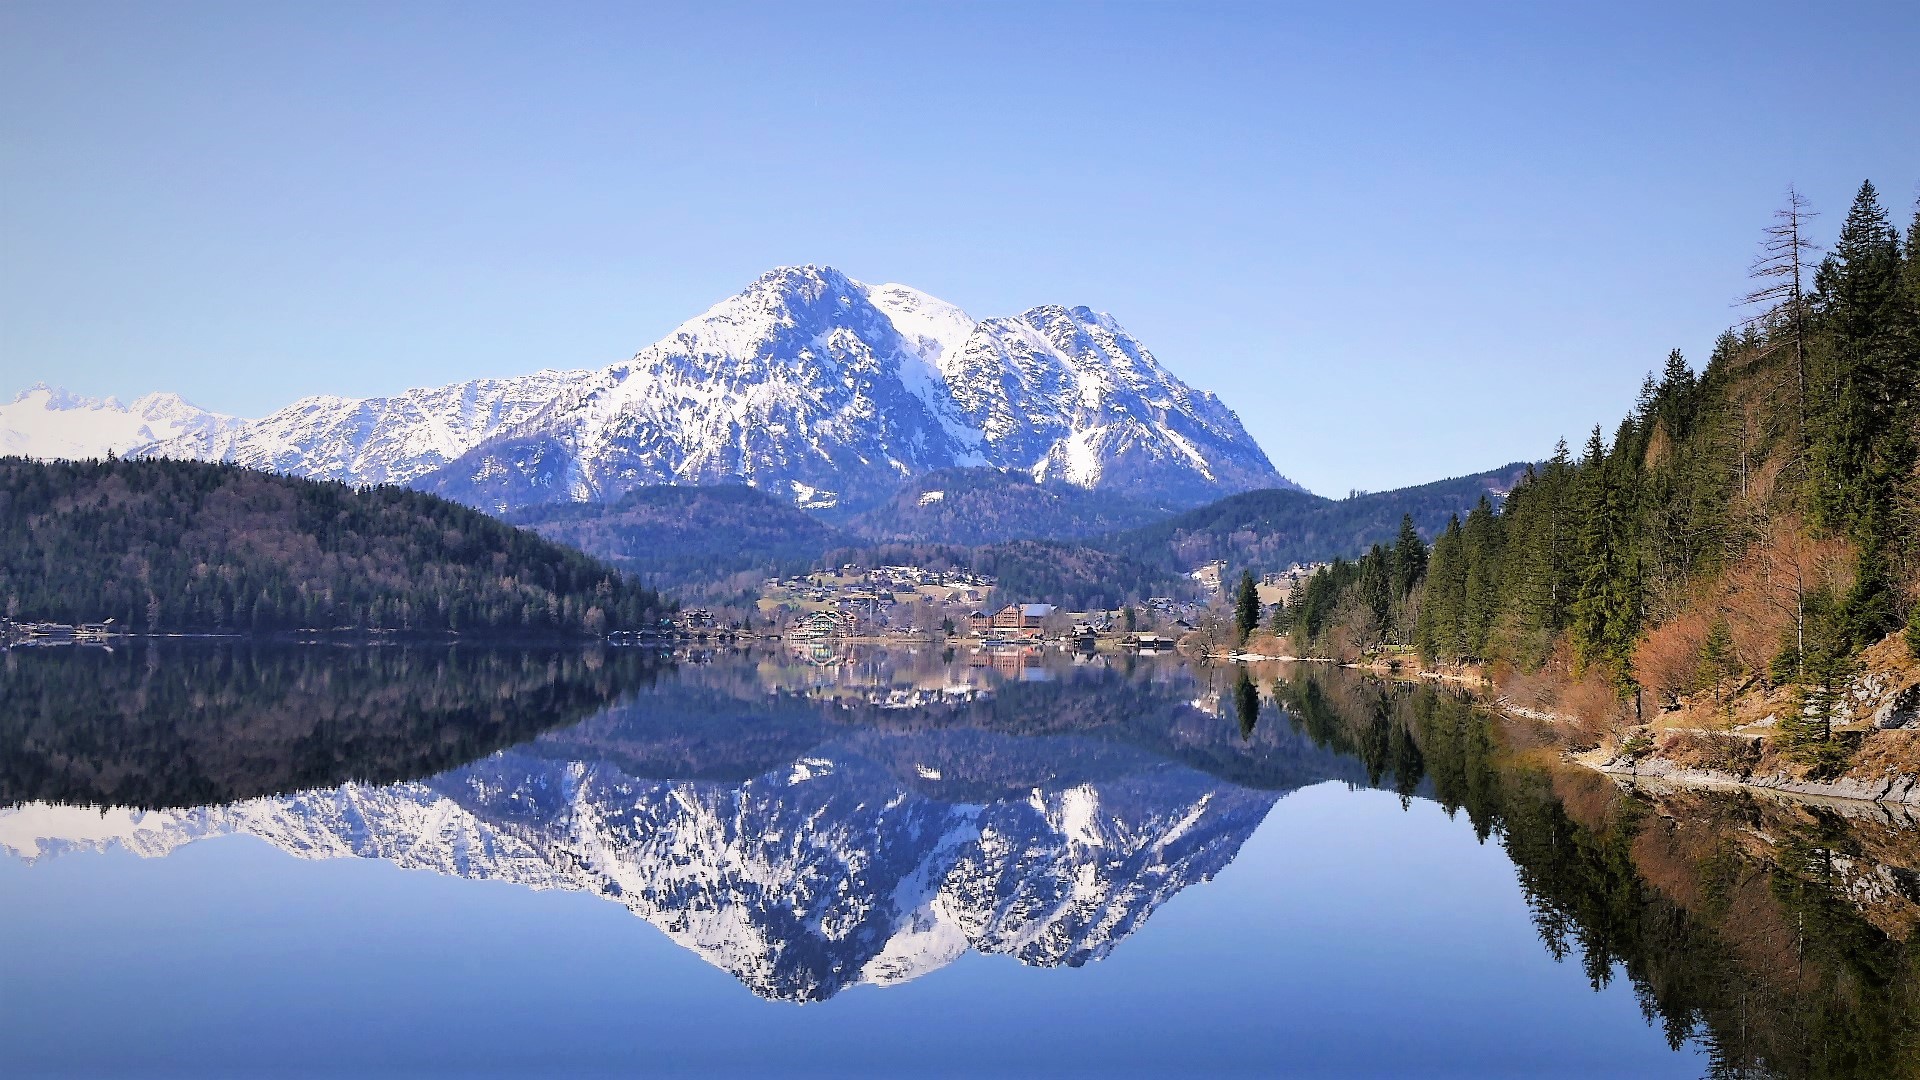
x,y
1759,520
165,546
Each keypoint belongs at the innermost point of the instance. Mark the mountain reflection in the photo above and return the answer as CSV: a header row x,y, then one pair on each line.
x,y
812,822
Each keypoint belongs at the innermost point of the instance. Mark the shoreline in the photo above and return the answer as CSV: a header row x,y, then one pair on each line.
x,y
1897,786
1895,789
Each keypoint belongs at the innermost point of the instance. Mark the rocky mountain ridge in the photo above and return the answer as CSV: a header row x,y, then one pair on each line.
x,y
808,384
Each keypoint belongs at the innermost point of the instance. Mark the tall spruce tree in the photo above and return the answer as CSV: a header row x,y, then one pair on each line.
x,y
1246,605
1605,603
1438,632
1783,269
1863,384
1409,558
1480,543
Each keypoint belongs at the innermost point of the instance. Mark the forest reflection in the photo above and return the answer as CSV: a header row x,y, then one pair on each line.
x,y
1778,934
182,724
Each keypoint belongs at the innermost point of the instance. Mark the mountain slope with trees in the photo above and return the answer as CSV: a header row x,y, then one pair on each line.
x,y
1750,529
169,546
1272,529
990,506
674,537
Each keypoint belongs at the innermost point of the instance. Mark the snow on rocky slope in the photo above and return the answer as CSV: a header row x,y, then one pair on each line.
x,y
799,882
382,440
807,383
48,422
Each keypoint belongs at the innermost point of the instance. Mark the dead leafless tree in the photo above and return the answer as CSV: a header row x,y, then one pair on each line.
x,y
1782,269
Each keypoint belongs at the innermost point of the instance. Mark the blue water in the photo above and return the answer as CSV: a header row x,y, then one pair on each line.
x,y
1348,935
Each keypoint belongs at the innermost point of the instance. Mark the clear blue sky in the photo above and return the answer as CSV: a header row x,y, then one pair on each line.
x,y
1402,242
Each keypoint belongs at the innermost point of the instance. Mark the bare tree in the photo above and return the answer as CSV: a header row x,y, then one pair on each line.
x,y
1782,268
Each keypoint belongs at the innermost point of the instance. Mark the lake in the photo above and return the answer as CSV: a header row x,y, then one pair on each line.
x,y
467,861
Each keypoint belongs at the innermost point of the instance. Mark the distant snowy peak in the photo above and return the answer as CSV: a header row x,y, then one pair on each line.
x,y
49,422
1070,395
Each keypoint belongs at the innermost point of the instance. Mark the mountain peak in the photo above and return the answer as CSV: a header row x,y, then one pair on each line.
x,y
807,383
810,280
36,388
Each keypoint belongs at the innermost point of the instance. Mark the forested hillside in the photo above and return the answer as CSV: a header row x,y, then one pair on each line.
x,y
716,544
1755,524
988,506
189,546
692,539
1272,529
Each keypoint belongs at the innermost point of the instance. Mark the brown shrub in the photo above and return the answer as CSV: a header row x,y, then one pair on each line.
x,y
1667,660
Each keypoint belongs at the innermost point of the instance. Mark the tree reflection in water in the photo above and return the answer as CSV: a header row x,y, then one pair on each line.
x,y
1780,933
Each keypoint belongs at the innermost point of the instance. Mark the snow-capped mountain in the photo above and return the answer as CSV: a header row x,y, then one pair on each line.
x,y
1069,394
382,440
48,422
807,383
802,881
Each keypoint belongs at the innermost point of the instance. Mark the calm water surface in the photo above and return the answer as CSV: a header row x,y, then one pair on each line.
x,y
369,861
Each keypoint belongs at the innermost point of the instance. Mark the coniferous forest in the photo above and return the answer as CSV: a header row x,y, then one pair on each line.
x,y
175,546
1756,522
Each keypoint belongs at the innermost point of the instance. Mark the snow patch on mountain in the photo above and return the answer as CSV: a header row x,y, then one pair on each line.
x,y
380,440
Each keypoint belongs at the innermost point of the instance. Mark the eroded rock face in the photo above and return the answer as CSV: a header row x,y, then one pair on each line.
x,y
1900,710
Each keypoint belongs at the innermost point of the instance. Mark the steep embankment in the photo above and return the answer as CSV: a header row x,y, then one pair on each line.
x,y
1741,737
1734,576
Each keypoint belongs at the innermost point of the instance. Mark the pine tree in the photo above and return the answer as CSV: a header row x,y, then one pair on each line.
x,y
1246,605
1716,656
1782,266
1604,612
1376,589
1409,558
1676,397
1828,669
1438,630
1863,386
